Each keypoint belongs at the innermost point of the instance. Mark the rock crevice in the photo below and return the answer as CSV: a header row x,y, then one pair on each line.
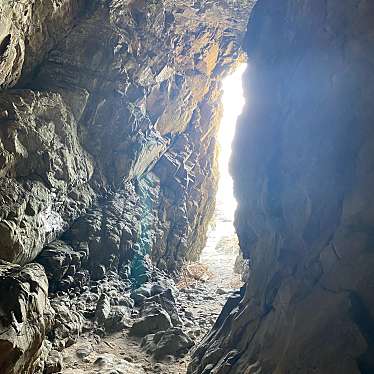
x,y
302,169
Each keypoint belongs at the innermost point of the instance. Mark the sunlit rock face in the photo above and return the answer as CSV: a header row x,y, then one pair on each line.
x,y
303,176
116,91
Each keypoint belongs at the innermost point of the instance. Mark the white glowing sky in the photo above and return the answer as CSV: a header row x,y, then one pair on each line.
x,y
233,102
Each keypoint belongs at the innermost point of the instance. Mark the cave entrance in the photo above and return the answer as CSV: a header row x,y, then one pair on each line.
x,y
222,247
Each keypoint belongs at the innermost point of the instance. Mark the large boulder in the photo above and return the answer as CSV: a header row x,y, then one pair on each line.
x,y
25,317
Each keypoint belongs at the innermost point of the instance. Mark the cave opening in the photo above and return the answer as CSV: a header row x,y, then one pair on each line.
x,y
221,252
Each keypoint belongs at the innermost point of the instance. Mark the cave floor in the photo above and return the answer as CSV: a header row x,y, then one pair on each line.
x,y
201,297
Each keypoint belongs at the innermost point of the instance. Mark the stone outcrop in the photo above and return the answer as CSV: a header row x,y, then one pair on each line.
x,y
113,99
25,318
303,171
44,172
29,30
108,117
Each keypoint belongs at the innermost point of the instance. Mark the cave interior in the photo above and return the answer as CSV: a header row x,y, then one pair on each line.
x,y
186,186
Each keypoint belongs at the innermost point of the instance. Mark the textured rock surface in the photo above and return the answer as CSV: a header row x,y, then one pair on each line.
x,y
44,172
29,29
25,317
170,342
130,110
303,169
108,116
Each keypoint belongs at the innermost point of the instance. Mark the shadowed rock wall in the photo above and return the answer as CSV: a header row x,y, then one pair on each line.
x,y
303,167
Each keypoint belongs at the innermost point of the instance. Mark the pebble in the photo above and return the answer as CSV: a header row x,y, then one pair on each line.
x,y
83,352
101,361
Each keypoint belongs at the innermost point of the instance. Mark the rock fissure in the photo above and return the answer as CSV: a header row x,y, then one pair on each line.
x,y
110,114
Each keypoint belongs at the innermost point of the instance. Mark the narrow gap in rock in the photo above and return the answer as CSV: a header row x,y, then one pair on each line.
x,y
221,252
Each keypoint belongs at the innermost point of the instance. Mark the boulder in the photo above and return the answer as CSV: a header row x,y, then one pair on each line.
x,y
25,317
172,342
68,324
152,321
166,300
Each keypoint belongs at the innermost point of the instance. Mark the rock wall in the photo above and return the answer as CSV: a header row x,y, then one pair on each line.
x,y
105,94
108,116
304,176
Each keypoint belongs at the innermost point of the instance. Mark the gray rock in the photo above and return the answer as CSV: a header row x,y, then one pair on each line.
x,y
118,319
68,323
141,294
26,316
54,363
304,187
221,291
155,320
98,272
102,309
83,352
172,342
167,302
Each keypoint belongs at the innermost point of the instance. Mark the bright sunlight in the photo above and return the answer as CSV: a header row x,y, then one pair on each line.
x,y
233,102
222,248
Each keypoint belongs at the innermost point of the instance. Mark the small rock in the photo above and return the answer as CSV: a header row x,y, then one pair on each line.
x,y
53,363
101,361
150,324
83,352
221,291
98,272
173,342
102,309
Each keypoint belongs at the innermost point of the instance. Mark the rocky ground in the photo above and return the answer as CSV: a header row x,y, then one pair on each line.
x,y
148,330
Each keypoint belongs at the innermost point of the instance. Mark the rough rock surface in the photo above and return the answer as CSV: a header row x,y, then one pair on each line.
x,y
153,321
96,116
101,349
303,171
108,117
170,342
25,318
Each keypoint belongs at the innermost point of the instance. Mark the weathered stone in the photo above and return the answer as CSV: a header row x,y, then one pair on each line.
x,y
118,320
152,321
172,342
102,309
167,302
54,363
36,210
29,30
67,326
26,317
303,178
